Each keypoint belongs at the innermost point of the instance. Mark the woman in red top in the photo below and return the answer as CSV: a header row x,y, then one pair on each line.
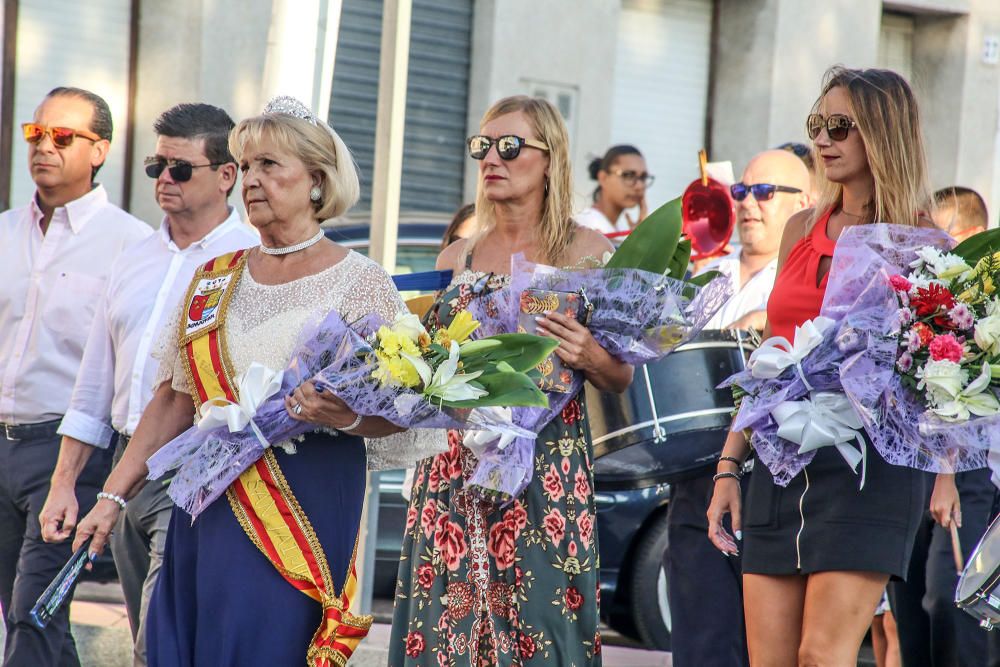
x,y
817,554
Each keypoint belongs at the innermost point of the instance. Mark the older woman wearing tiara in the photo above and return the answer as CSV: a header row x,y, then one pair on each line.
x,y
265,575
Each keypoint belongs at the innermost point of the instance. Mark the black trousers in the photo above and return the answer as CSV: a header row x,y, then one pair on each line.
x,y
933,632
27,564
704,587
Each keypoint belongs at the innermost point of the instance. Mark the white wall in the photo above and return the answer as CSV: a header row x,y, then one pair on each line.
x,y
71,43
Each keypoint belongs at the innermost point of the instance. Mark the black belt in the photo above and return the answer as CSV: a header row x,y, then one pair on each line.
x,y
30,431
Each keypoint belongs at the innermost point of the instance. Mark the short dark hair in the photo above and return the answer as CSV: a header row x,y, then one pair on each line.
x,y
969,207
607,161
100,121
199,121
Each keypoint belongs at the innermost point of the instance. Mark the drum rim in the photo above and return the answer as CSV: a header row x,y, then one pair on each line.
x,y
990,583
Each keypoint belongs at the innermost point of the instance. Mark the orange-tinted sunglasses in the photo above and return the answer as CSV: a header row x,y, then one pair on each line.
x,y
62,137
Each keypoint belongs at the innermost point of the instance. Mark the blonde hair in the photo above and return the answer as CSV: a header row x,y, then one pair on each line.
x,y
318,147
885,110
555,231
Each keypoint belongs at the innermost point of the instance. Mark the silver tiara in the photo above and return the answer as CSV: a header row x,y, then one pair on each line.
x,y
289,106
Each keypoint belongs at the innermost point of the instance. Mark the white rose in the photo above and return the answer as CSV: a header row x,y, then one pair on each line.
x,y
943,380
987,334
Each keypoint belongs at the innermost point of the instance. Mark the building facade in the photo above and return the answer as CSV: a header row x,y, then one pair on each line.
x,y
669,76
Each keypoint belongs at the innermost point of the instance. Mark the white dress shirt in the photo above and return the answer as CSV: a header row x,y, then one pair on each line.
x,y
51,285
146,284
746,299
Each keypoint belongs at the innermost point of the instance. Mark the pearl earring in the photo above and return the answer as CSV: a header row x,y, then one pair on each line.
x,y
315,194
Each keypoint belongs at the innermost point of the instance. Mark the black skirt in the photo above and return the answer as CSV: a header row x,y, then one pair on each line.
x,y
822,522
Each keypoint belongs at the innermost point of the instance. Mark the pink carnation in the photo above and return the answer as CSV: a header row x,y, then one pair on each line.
x,y
900,284
946,347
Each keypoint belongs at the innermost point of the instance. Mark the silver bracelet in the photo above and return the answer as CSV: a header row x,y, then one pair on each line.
x,y
353,425
113,498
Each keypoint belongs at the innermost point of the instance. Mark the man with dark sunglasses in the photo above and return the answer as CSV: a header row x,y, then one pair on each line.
x,y
55,254
705,594
119,364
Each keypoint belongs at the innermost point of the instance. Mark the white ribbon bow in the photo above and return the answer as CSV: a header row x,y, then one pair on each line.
x,y
823,419
258,384
476,441
770,360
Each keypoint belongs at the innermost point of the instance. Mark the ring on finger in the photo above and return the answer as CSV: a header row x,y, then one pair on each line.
x,y
297,408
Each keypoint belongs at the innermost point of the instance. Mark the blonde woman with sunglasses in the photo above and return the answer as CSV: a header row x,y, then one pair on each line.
x,y
481,582
817,554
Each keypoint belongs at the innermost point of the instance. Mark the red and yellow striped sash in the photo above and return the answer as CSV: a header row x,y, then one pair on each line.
x,y
261,498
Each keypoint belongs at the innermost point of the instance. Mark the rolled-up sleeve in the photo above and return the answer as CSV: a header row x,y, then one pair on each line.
x,y
88,418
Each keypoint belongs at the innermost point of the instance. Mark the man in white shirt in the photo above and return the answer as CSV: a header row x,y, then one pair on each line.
x,y
55,254
194,174
705,593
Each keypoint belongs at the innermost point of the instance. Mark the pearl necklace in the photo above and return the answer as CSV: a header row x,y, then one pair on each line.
x,y
292,248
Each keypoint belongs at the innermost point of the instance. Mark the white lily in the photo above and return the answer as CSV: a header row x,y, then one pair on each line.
x,y
974,399
446,382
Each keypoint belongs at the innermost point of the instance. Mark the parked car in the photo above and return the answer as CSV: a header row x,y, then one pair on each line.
x,y
659,430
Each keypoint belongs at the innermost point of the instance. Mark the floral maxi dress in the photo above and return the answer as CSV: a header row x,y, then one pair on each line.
x,y
484,585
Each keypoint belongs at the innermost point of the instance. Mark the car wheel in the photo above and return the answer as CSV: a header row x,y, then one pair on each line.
x,y
651,613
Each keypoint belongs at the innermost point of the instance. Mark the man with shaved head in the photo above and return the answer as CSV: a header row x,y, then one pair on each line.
x,y
706,600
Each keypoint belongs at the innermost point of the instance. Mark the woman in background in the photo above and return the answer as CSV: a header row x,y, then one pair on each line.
x,y
622,180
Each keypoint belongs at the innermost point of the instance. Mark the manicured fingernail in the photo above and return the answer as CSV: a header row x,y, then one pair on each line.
x,y
726,554
739,534
319,389
539,318
93,556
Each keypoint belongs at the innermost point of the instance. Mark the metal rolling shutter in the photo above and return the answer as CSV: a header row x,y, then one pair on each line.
x,y
71,43
436,104
661,88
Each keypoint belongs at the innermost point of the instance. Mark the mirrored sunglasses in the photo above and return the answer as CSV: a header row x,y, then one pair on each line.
x,y
508,146
62,137
837,125
760,191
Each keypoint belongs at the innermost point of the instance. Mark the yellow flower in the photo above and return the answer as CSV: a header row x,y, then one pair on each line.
x,y
389,341
395,371
462,326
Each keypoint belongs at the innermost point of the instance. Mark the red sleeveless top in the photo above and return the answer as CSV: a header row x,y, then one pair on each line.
x,y
796,296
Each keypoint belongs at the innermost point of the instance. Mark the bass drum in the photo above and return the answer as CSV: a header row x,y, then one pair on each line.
x,y
671,423
978,591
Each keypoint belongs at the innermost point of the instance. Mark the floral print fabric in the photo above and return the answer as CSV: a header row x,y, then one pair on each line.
x,y
480,584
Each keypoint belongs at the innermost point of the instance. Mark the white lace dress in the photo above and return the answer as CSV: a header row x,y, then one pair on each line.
x,y
265,322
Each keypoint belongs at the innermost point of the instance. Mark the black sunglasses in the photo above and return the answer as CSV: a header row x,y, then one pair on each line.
x,y
760,191
837,126
508,146
180,170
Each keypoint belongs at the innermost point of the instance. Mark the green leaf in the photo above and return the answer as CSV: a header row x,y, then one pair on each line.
x,y
522,351
703,279
681,258
653,243
978,246
506,389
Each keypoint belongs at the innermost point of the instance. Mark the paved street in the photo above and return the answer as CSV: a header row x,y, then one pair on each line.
x,y
100,628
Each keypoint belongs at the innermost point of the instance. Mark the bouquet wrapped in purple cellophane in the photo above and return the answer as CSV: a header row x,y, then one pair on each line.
x,y
338,357
637,316
857,356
